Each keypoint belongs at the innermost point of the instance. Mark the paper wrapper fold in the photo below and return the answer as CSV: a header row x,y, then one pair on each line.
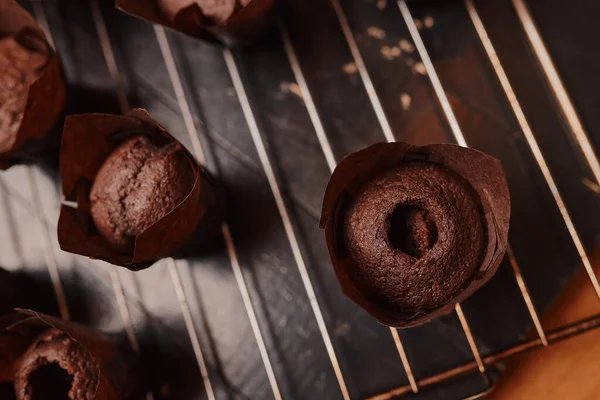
x,y
117,378
88,139
242,27
485,175
47,94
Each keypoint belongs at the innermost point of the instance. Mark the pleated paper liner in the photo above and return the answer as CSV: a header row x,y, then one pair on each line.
x,y
46,96
482,172
88,139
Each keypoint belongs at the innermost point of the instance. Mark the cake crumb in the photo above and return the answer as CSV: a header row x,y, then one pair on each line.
x,y
320,382
376,32
420,68
381,4
390,53
406,46
350,68
291,87
342,329
429,22
418,24
405,101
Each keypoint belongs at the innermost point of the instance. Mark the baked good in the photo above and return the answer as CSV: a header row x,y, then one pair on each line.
x,y
56,367
48,358
19,68
32,92
229,22
210,12
138,184
414,230
140,194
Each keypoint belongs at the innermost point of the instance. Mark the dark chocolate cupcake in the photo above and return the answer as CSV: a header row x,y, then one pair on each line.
x,y
138,184
230,22
48,358
56,367
32,93
140,195
414,230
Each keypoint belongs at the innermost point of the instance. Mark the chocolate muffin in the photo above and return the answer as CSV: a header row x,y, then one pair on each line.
x,y
32,92
48,358
140,194
19,68
414,230
209,12
229,22
56,367
138,184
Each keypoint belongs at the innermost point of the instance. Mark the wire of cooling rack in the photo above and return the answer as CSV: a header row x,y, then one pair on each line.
x,y
479,363
285,217
199,151
531,141
47,243
40,221
553,336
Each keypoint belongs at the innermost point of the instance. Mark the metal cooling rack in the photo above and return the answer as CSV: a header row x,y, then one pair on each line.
x,y
37,195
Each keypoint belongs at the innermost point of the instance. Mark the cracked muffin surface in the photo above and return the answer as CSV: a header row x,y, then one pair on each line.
x,y
138,184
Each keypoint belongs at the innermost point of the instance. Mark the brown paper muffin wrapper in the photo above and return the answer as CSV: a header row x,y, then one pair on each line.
x,y
117,378
485,175
88,139
46,97
242,27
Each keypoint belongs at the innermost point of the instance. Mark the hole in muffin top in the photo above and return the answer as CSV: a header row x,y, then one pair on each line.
x,y
50,382
411,230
